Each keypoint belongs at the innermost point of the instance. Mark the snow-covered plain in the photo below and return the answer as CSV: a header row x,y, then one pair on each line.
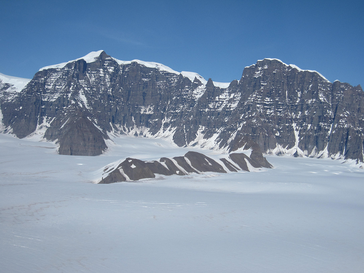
x,y
305,215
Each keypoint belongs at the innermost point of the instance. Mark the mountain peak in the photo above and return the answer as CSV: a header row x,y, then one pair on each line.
x,y
16,82
268,61
92,56
89,58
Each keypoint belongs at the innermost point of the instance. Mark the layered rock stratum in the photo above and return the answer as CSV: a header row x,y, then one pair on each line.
x,y
277,107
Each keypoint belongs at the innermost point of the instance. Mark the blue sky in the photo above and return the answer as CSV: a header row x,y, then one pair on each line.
x,y
216,39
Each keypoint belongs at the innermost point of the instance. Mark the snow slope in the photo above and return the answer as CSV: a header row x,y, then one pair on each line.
x,y
305,215
18,83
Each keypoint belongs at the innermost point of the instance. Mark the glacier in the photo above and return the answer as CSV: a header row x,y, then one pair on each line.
x,y
305,215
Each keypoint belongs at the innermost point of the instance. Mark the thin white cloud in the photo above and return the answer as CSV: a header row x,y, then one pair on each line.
x,y
111,33
118,36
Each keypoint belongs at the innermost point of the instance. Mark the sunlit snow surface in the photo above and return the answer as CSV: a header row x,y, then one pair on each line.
x,y
305,215
17,83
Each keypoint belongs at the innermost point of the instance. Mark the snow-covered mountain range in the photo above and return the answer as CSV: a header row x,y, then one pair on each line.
x,y
303,215
279,107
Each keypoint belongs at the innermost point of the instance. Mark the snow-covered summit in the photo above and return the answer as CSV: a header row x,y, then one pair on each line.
x,y
293,66
89,58
92,56
162,67
17,83
155,65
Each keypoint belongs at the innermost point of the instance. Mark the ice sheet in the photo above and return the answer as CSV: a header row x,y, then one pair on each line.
x,y
305,215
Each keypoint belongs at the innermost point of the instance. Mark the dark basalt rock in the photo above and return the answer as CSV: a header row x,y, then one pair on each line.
x,y
257,159
171,166
157,168
229,165
81,137
204,163
181,161
192,162
136,169
112,177
240,159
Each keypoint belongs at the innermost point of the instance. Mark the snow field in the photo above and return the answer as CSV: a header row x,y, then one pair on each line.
x,y
305,215
18,83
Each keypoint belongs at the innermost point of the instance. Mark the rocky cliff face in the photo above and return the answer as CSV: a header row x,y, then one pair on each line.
x,y
9,89
275,106
302,111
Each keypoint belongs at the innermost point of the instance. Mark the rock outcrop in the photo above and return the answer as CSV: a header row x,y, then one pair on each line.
x,y
81,137
132,169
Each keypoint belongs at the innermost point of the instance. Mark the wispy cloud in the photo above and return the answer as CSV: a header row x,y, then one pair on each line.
x,y
117,35
111,33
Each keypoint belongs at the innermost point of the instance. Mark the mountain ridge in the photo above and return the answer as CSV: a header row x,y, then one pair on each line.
x,y
281,108
92,56
132,169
